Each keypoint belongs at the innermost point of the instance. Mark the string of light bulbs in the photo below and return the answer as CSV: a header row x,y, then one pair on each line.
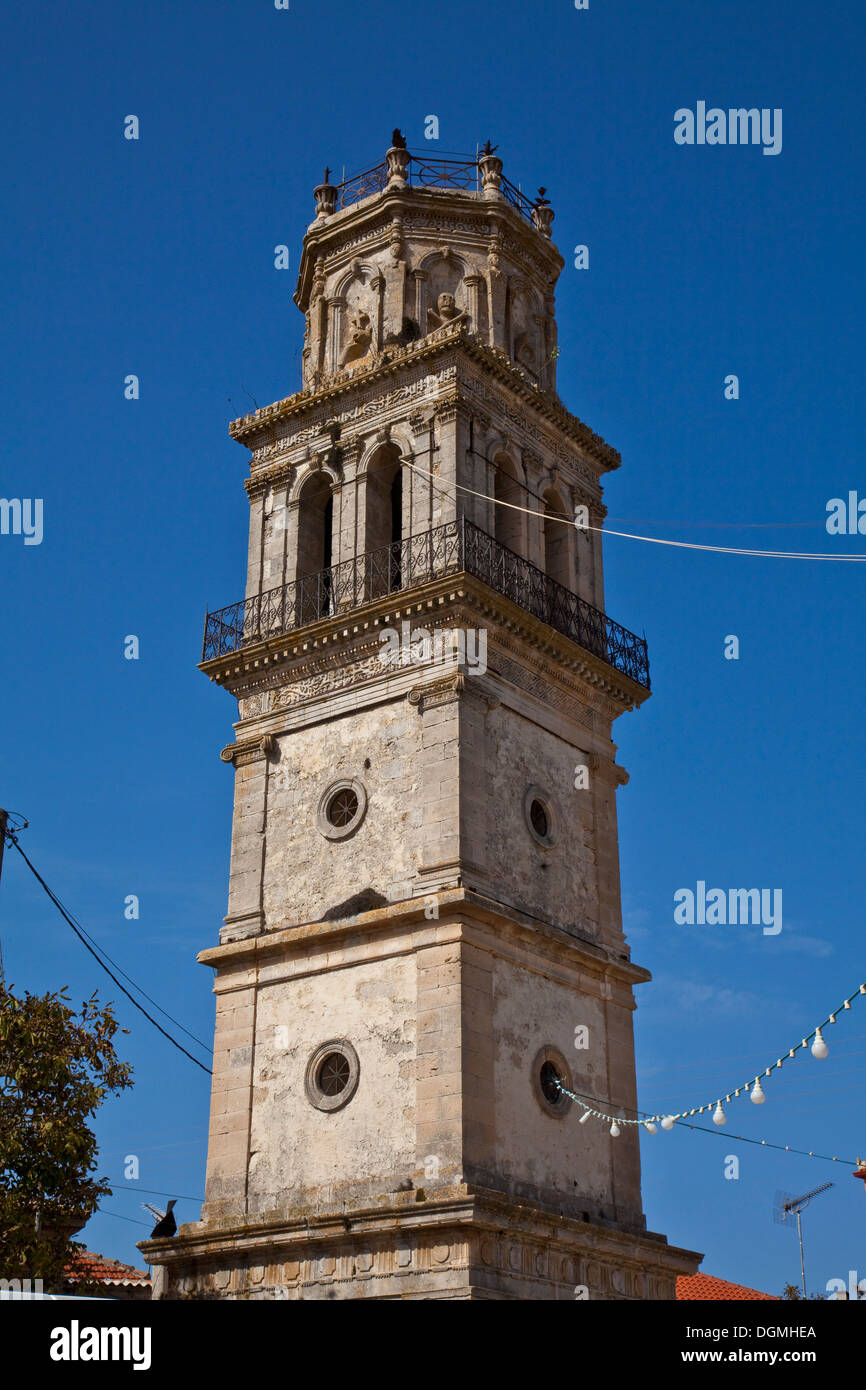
x,y
629,535
752,1088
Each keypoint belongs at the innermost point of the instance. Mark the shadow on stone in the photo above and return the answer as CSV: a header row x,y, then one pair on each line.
x,y
364,901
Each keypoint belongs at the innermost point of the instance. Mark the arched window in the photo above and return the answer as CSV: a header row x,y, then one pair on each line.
x,y
384,522
315,530
508,523
557,540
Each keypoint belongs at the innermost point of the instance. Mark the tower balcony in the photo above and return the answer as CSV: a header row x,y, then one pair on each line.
x,y
458,547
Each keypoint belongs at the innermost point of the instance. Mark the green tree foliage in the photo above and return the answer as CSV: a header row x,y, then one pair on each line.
x,y
56,1068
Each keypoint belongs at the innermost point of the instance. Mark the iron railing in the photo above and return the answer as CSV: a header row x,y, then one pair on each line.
x,y
457,547
430,172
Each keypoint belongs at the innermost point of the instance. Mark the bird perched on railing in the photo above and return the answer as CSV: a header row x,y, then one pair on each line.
x,y
165,1222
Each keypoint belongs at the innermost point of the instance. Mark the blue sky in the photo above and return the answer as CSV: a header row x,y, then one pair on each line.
x,y
156,258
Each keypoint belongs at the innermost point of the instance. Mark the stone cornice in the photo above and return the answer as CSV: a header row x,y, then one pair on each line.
x,y
252,429
260,659
462,1206
447,209
464,914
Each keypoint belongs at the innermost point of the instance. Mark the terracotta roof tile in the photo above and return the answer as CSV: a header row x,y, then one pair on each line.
x,y
100,1269
707,1286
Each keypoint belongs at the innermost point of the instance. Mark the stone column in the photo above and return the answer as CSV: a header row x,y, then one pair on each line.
x,y
418,518
394,273
345,544
540,347
420,277
336,310
254,552
277,548
378,285
472,283
475,474
439,763
452,422
439,1072
231,1096
551,349
318,323
497,284
477,1064
596,518
534,551
245,915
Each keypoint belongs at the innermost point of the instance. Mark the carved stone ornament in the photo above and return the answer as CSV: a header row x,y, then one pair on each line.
x,y
248,750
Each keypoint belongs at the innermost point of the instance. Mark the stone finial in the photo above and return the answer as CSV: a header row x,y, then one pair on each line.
x,y
398,158
491,171
543,214
326,196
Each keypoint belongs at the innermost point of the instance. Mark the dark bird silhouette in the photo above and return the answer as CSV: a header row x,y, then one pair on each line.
x,y
166,1225
398,140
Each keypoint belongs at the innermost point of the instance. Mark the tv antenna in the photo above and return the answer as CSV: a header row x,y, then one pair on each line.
x,y
788,1206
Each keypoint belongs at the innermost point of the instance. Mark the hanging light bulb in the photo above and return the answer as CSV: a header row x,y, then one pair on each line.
x,y
614,1130
584,1117
651,1128
719,1116
757,1096
819,1047
668,1122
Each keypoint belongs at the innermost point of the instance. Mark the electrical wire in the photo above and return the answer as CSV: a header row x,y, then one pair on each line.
x,y
144,992
630,536
96,957
152,1191
117,1216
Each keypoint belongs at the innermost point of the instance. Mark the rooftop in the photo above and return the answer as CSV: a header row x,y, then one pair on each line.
x,y
706,1287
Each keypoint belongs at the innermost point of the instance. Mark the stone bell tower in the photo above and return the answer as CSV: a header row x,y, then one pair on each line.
x,y
423,933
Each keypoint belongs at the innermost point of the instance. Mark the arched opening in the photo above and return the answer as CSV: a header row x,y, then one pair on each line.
x,y
315,533
384,522
557,538
508,494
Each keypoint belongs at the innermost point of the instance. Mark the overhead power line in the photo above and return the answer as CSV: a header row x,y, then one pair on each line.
x,y
628,535
10,835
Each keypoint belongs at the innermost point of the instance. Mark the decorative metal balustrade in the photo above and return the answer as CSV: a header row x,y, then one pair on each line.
x,y
431,172
457,547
